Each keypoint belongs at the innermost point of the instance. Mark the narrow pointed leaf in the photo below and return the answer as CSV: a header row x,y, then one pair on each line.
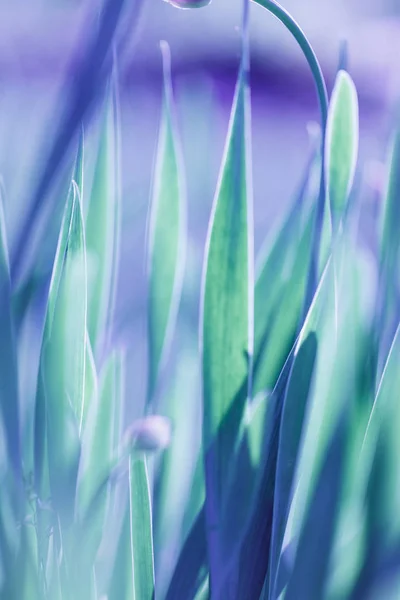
x,y
103,222
341,145
8,358
141,530
309,576
62,363
167,235
227,316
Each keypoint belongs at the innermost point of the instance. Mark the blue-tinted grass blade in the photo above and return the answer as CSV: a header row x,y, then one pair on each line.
x,y
87,87
166,236
341,146
61,383
103,223
309,576
9,401
226,328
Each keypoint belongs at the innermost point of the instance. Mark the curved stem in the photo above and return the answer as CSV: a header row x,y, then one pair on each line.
x,y
284,17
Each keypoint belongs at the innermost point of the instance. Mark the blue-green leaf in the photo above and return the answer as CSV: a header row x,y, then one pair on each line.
x,y
141,529
8,358
167,235
62,363
227,317
103,223
341,145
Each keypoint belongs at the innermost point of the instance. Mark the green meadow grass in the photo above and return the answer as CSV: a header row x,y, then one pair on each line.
x,y
294,491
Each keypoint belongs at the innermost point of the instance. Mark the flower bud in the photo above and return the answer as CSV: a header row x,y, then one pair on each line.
x,y
149,434
188,3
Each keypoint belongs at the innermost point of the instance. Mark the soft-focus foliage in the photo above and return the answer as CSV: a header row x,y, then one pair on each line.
x,y
271,468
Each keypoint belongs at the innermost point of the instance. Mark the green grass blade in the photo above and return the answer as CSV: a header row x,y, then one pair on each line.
x,y
309,576
103,223
336,321
8,358
62,361
388,314
279,298
380,459
167,235
293,416
121,585
227,315
97,455
341,145
191,569
141,530
175,487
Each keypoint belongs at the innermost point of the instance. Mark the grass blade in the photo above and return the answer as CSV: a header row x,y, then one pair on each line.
x,y
62,363
8,358
227,315
98,447
141,530
309,576
103,222
167,235
341,145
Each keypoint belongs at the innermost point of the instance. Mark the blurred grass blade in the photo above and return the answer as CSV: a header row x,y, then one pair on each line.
x,y
141,529
175,487
8,358
380,460
122,583
103,222
388,309
341,145
337,322
86,87
62,362
97,456
309,576
289,442
189,573
167,235
227,316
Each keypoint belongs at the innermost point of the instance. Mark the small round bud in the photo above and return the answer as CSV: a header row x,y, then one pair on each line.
x,y
188,3
149,434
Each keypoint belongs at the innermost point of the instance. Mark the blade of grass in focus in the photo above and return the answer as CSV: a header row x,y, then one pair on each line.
x,y
341,145
226,327
166,235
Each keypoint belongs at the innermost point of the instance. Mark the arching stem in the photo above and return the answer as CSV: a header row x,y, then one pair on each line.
x,y
284,17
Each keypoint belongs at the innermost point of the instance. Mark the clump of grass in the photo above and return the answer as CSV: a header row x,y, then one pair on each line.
x,y
296,489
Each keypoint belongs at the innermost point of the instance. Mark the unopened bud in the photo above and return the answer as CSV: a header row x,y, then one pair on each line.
x,y
149,434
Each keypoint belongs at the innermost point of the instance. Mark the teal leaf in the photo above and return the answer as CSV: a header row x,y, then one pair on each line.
x,y
103,222
227,316
311,567
62,362
8,359
341,145
166,236
141,529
